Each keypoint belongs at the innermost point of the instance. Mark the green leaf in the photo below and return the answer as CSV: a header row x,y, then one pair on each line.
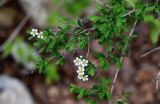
x,y
42,65
103,64
139,8
154,36
154,25
93,18
101,95
72,88
51,74
36,44
89,101
101,40
90,69
7,49
79,22
120,102
81,94
60,61
82,43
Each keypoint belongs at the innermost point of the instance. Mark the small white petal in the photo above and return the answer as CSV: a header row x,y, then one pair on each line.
x,y
77,58
86,79
38,36
80,76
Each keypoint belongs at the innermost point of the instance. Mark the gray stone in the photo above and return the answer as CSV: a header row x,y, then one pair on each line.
x,y
13,91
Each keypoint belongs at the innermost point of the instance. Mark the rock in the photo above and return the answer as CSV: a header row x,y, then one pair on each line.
x,y
13,91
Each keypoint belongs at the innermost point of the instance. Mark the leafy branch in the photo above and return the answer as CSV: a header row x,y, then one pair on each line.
x,y
110,28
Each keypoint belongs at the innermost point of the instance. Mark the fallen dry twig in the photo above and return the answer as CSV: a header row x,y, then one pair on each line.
x,y
15,31
117,70
149,52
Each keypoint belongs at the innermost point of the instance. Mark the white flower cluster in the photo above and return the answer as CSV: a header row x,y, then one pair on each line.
x,y
35,33
81,63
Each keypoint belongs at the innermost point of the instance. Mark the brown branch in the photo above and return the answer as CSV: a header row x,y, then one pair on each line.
x,y
85,30
149,52
117,70
88,51
157,80
15,31
129,13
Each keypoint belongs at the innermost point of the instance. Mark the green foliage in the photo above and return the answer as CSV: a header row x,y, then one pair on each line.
x,y
90,69
95,94
48,69
54,18
27,56
75,7
71,8
112,27
154,25
51,74
103,63
22,52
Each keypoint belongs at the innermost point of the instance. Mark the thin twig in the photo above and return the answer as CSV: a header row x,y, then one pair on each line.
x,y
88,51
149,52
157,80
16,31
117,70
129,13
85,30
102,3
115,77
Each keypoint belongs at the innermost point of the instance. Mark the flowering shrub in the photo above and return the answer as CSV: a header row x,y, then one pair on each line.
x,y
113,27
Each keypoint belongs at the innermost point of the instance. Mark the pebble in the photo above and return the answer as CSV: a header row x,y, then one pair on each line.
x,y
13,91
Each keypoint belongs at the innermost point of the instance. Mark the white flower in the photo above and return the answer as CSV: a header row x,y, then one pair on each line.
x,y
81,56
80,72
34,32
81,64
40,35
85,62
85,78
80,77
77,61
